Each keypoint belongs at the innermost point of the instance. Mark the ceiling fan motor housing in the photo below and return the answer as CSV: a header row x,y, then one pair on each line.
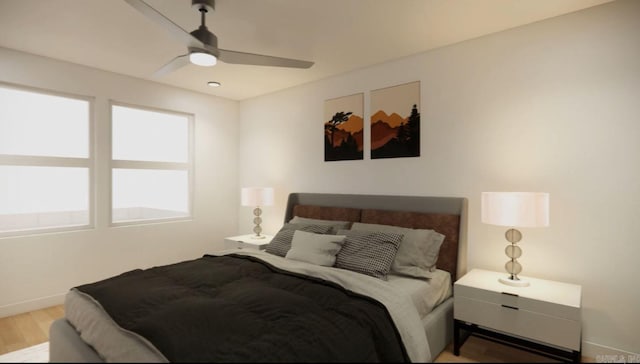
x,y
202,33
205,36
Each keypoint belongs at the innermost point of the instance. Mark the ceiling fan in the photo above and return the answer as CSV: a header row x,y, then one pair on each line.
x,y
203,45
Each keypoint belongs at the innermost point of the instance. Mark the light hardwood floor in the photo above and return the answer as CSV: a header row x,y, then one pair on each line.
x,y
477,350
32,328
27,329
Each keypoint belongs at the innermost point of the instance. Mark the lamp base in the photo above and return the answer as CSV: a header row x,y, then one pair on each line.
x,y
514,282
257,236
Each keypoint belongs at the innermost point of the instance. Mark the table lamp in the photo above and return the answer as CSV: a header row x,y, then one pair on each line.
x,y
257,196
515,209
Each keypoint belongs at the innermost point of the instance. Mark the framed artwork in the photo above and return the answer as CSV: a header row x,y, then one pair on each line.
x,y
343,128
395,121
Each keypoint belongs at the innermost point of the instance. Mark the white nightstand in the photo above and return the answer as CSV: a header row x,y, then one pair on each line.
x,y
543,317
247,242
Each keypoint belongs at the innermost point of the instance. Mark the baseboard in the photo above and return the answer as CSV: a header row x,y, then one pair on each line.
x,y
31,305
606,354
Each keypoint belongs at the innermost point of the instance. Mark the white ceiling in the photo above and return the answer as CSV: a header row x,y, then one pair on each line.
x,y
338,35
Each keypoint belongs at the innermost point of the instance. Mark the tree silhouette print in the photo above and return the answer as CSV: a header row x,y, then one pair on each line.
x,y
337,119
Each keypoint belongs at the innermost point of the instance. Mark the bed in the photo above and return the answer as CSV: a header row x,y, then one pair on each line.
x,y
418,315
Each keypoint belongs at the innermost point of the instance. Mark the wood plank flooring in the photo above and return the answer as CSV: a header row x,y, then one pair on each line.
x,y
27,329
478,350
32,328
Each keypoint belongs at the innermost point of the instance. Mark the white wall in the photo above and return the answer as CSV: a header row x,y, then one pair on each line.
x,y
553,106
35,271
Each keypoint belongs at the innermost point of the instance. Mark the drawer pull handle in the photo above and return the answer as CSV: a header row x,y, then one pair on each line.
x,y
510,294
511,307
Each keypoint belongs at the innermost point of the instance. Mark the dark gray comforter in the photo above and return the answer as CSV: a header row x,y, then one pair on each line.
x,y
238,308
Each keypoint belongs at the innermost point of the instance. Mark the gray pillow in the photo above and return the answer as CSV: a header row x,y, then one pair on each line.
x,y
368,252
316,249
281,242
335,225
418,251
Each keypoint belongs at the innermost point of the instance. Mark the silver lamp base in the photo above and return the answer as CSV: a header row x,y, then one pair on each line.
x,y
257,220
514,282
513,267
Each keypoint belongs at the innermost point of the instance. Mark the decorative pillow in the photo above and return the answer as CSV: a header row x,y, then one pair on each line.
x,y
281,242
315,248
366,252
418,251
335,225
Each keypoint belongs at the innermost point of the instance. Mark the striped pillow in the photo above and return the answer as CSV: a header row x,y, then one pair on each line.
x,y
368,252
281,242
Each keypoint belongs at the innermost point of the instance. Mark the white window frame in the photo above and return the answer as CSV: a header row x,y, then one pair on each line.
x,y
45,161
131,164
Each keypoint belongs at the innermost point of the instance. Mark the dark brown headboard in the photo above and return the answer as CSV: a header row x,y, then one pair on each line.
x,y
327,213
447,215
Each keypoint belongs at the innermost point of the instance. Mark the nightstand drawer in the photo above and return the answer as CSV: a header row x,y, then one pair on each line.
x,y
243,245
519,321
518,301
229,244
247,242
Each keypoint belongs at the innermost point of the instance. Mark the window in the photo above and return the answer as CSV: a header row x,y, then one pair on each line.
x,y
152,169
45,161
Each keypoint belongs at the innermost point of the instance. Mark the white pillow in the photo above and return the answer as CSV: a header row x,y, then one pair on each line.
x,y
418,251
316,249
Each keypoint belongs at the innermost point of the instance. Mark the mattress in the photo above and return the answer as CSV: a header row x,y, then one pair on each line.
x,y
425,294
406,300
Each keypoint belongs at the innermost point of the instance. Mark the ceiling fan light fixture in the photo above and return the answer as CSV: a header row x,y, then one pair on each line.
x,y
202,59
202,44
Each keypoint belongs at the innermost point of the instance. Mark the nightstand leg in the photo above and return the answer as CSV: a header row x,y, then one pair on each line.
x,y
577,356
456,338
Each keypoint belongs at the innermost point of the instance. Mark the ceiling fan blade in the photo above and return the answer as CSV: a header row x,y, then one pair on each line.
x,y
260,60
174,64
175,30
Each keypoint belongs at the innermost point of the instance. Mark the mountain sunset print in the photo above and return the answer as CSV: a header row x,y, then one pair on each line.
x,y
395,121
343,128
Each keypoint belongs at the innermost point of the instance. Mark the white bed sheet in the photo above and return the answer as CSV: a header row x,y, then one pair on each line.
x,y
425,294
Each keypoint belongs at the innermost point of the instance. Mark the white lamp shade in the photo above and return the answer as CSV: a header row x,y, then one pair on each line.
x,y
515,209
256,196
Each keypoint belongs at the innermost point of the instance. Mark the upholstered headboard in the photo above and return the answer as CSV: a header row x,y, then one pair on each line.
x,y
447,215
